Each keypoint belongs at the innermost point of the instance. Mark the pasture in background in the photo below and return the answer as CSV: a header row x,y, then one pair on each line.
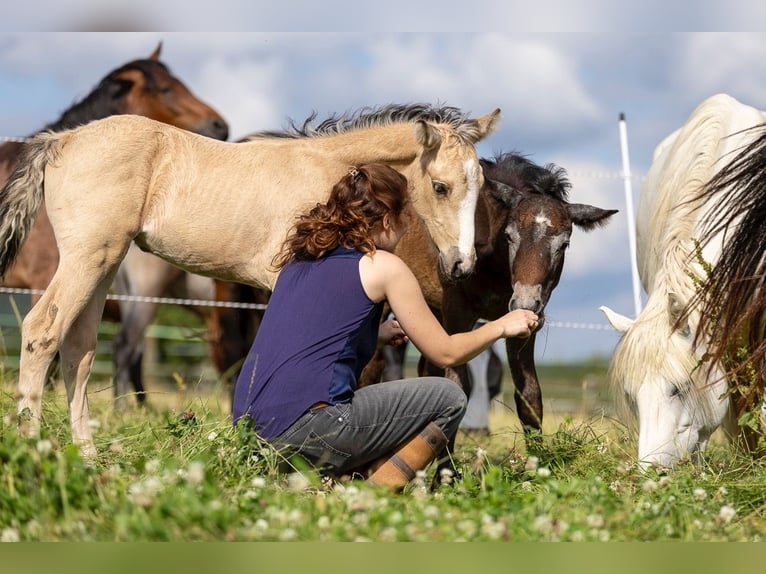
x,y
177,355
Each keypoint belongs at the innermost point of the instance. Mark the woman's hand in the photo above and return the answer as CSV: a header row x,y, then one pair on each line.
x,y
518,323
391,333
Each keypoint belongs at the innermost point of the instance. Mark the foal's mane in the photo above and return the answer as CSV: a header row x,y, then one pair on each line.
x,y
100,102
519,172
370,117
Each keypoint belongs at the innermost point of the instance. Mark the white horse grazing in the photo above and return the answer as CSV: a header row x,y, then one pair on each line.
x,y
668,366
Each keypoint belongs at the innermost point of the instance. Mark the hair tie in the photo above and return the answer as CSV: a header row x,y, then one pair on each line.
x,y
354,173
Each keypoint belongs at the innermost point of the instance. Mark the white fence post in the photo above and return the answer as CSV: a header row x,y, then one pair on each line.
x,y
626,177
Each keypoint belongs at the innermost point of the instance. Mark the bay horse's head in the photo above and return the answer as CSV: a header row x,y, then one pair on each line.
x,y
146,87
445,186
537,226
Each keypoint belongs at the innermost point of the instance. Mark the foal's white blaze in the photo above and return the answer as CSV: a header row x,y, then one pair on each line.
x,y
466,214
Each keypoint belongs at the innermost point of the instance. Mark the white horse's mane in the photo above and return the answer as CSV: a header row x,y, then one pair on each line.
x,y
650,346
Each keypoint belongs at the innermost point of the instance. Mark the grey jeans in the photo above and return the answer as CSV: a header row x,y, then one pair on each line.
x,y
379,418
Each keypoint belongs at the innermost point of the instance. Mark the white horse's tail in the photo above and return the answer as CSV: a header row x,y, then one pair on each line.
x,y
22,195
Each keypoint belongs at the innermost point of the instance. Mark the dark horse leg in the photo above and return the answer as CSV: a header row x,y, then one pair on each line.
x,y
527,395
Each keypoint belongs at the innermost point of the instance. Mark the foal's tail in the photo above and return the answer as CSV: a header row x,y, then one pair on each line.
x,y
23,194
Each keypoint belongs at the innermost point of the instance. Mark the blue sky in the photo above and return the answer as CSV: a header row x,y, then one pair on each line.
x,y
561,94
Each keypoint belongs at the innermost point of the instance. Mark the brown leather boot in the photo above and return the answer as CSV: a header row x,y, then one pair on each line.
x,y
397,469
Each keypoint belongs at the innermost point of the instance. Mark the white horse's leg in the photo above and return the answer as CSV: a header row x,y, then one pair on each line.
x,y
78,350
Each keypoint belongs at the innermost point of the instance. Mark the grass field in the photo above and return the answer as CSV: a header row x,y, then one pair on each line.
x,y
178,471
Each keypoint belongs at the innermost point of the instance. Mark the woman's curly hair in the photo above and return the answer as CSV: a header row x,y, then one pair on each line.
x,y
357,204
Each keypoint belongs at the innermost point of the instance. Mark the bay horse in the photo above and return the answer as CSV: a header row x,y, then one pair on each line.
x,y
144,87
214,208
523,229
693,359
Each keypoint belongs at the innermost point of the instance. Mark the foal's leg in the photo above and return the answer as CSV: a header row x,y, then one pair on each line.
x,y
527,395
78,350
43,332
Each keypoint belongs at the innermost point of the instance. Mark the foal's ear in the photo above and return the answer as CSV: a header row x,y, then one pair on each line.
x,y
509,196
427,135
485,125
587,217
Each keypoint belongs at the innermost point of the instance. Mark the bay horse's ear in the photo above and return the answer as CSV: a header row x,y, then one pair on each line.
x,y
156,54
427,135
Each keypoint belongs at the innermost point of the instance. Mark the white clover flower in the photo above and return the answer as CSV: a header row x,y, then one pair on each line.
x,y
577,536
594,520
116,447
493,530
152,466
544,472
9,535
323,522
721,493
258,482
649,486
603,536
212,435
196,473
395,517
664,481
481,454
467,527
94,425
526,485
531,463
726,514
445,476
699,494
388,534
215,505
602,448
543,523
44,446
431,511
298,481
288,534
261,524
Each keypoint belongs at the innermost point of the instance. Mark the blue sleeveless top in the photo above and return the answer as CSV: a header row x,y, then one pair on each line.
x,y
318,332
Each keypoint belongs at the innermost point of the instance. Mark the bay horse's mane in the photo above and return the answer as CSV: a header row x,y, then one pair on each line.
x,y
521,173
101,102
369,117
732,298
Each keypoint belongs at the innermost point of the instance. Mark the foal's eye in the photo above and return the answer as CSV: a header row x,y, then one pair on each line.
x,y
440,188
675,391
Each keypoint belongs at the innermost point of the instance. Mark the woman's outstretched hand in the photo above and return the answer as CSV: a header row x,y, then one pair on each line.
x,y
518,323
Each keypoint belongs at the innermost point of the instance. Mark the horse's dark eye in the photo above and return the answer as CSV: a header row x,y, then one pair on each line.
x,y
440,188
675,391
